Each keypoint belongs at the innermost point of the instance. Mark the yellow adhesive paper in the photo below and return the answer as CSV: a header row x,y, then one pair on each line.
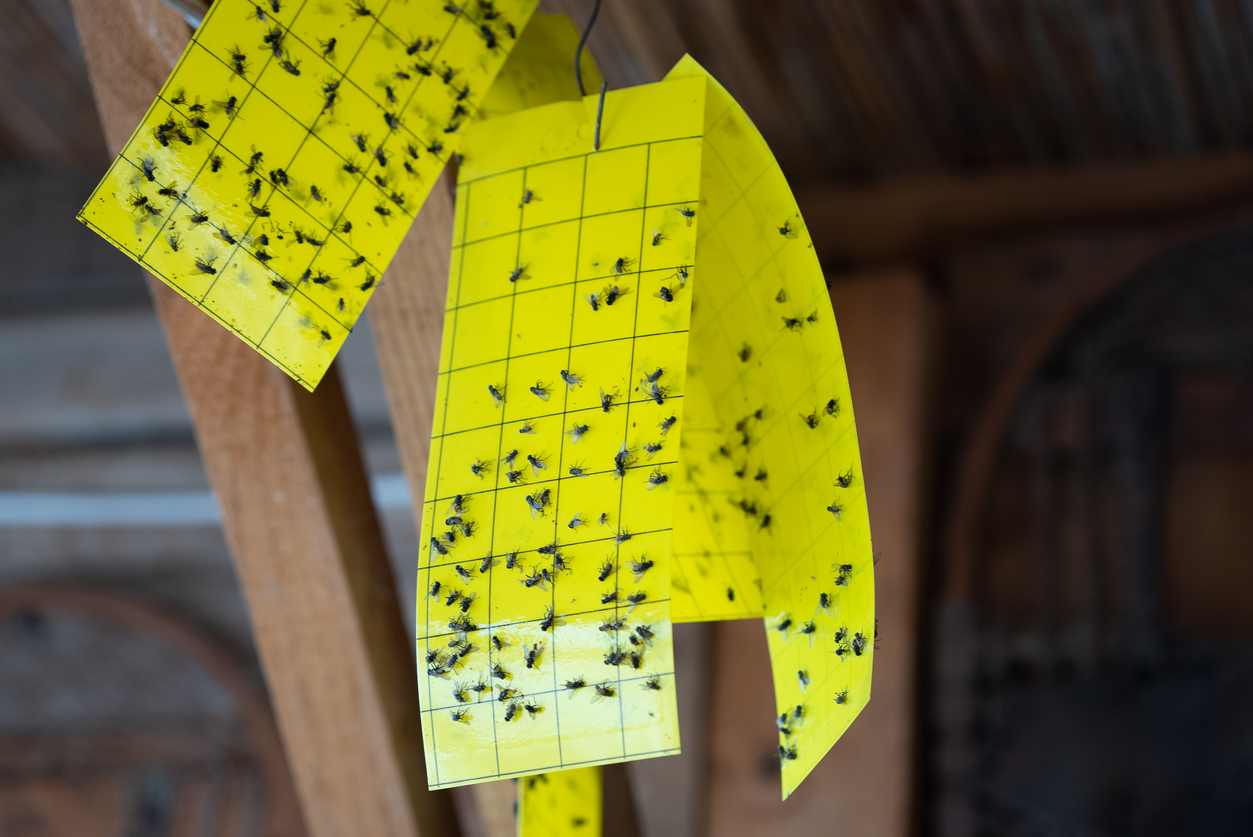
x,y
771,517
565,804
544,616
540,69
289,151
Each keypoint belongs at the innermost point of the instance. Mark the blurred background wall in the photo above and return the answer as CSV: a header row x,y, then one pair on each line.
x,y
1062,186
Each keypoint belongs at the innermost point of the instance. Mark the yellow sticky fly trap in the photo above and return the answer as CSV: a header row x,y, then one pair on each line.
x,y
565,804
286,156
618,445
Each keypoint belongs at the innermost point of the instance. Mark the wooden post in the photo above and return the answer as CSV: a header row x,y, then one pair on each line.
x,y
865,785
296,512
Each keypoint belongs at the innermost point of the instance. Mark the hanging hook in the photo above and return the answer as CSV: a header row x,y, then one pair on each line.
x,y
578,53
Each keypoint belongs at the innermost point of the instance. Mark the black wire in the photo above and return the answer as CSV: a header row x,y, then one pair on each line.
x,y
578,72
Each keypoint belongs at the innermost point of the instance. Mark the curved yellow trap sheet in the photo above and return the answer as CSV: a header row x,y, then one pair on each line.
x,y
565,804
573,410
289,151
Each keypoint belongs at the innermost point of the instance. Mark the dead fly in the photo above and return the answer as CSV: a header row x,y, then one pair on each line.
x,y
511,560
498,643
656,392
206,266
809,629
259,211
419,45
665,293
380,181
263,240
603,520
197,217
640,567
540,391
328,47
392,121
391,94
226,236
351,167
487,563
843,572
654,376
666,424
533,656
792,324
607,569
574,685
610,597
253,162
150,169
436,147
215,165
346,227
383,211
138,199
762,476
681,275
658,237
636,598
533,709
605,690
367,284
859,643
788,753
656,478
651,449
527,197
198,123
315,194
577,471
783,626
498,671
593,299
174,241
653,683
645,633
550,619
481,687
518,273
606,400
577,520
811,420
360,9
264,257
575,433
273,41
480,468
621,461
548,549
812,318
239,61
466,601
612,293
437,546
274,6
841,698
688,213
514,477
824,602
615,656
622,265
833,410
786,230
453,597
622,537
537,502
409,168
537,464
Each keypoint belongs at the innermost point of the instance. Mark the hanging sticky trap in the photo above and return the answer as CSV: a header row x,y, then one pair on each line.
x,y
544,615
286,156
580,441
565,804
771,514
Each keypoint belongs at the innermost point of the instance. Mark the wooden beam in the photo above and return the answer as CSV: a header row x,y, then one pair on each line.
x,y
865,785
913,218
296,513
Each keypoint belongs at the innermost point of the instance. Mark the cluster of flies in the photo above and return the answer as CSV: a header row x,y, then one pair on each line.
x,y
451,661
626,457
621,266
